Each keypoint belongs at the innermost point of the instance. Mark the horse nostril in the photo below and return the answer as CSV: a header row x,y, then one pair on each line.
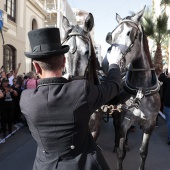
x,y
128,33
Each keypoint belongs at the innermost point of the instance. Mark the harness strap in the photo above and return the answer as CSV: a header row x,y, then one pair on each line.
x,y
141,69
147,92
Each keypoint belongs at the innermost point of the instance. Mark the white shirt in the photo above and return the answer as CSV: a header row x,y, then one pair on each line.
x,y
11,80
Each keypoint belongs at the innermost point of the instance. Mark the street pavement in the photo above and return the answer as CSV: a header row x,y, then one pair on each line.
x,y
18,151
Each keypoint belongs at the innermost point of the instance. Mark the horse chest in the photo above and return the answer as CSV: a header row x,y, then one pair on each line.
x,y
138,113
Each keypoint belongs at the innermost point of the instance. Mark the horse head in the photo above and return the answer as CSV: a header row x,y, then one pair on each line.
x,y
81,54
127,37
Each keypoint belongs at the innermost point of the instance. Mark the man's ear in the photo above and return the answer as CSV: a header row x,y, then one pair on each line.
x,y
37,68
64,61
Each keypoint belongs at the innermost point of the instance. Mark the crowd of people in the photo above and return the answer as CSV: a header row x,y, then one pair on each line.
x,y
11,87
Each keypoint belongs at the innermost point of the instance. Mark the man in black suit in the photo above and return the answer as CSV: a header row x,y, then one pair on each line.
x,y
58,111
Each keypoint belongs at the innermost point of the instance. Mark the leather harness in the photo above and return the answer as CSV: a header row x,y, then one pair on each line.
x,y
139,92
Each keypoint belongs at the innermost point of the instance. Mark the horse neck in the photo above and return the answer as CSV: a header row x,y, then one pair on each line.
x,y
141,78
93,77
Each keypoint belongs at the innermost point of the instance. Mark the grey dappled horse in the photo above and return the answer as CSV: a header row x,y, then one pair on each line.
x,y
81,61
139,100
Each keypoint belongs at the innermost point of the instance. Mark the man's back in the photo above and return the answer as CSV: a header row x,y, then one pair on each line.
x,y
58,116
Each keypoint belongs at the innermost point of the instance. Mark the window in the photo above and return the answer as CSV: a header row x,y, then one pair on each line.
x,y
9,58
10,7
34,24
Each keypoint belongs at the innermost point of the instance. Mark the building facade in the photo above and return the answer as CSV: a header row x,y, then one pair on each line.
x,y
22,16
80,17
19,17
98,53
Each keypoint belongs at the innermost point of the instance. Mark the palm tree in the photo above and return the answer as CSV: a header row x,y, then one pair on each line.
x,y
156,29
165,3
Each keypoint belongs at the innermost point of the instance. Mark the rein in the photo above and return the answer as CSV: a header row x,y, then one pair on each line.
x,y
89,55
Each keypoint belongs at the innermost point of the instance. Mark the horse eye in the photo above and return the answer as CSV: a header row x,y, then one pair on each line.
x,y
128,33
87,52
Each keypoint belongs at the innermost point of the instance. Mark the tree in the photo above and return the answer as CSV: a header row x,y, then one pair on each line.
x,y
156,29
165,3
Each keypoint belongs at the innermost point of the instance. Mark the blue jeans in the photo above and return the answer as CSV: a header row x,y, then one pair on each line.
x,y
167,117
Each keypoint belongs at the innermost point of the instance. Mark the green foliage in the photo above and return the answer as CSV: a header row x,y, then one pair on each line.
x,y
155,27
165,2
148,25
162,22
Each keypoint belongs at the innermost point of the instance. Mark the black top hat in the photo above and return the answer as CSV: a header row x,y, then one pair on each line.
x,y
45,42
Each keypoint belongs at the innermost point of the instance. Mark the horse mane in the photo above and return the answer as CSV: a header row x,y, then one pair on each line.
x,y
94,62
146,48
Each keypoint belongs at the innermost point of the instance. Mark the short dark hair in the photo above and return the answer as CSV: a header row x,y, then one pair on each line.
x,y
51,63
5,80
15,79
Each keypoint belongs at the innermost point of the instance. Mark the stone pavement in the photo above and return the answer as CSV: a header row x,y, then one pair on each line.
x,y
158,155
18,151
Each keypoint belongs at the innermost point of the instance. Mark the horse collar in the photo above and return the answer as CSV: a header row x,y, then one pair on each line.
x,y
146,91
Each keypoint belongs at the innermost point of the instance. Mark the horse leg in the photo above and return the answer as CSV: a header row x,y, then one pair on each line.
x,y
144,148
121,152
122,130
95,123
126,142
116,120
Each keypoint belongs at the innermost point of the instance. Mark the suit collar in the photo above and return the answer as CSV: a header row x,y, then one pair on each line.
x,y
52,80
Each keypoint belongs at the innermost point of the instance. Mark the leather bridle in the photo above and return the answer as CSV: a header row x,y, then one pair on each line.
x,y
123,59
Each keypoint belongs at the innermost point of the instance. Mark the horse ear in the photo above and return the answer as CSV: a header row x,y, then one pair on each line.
x,y
118,18
109,38
89,23
138,15
65,23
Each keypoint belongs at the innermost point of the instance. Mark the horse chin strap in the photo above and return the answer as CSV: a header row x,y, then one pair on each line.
x,y
71,77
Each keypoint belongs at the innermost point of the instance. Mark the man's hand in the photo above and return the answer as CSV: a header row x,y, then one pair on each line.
x,y
114,55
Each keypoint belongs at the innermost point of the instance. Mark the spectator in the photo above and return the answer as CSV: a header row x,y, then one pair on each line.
x,y
8,106
166,96
3,75
1,106
21,82
12,74
31,82
17,112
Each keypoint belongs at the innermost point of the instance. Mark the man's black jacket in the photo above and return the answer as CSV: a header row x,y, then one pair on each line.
x,y
58,113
